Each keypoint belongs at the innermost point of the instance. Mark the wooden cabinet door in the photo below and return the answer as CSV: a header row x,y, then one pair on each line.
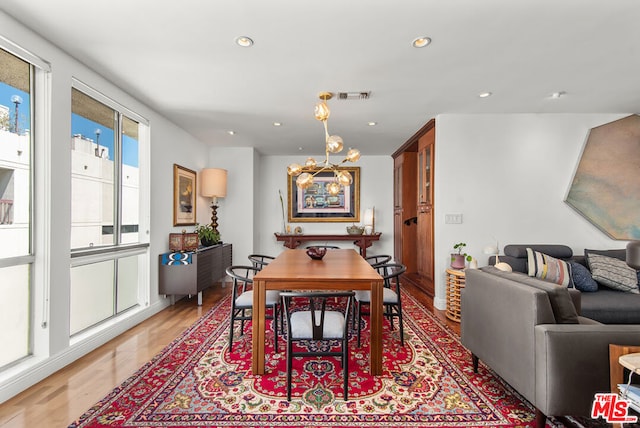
x,y
425,259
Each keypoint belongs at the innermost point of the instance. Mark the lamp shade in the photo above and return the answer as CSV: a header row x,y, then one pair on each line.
x,y
633,254
368,217
213,182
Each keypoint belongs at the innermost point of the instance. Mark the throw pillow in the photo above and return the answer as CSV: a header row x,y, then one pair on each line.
x,y
549,268
613,272
582,279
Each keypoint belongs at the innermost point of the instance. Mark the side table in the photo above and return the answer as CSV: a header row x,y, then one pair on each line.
x,y
455,282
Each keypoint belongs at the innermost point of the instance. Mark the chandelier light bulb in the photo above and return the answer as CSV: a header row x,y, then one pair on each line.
x,y
294,169
333,188
353,155
322,111
334,144
304,180
344,178
310,163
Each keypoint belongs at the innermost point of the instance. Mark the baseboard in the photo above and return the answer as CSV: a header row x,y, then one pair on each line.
x,y
32,371
440,303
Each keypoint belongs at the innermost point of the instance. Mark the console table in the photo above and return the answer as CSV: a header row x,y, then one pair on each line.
x,y
361,241
198,270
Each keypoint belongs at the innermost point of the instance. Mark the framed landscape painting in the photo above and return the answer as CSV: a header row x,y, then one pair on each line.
x,y
315,204
184,196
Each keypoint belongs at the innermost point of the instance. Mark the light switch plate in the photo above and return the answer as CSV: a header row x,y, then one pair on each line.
x,y
453,218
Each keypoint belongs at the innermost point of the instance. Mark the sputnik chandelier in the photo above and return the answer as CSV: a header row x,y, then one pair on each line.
x,y
333,144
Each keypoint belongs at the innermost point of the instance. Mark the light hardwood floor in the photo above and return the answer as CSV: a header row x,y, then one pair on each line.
x,y
64,396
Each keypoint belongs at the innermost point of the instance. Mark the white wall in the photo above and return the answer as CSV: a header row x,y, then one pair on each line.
x,y
508,176
169,144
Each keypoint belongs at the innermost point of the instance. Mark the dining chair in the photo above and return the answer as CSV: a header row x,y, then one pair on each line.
x,y
378,259
242,300
260,260
391,273
326,247
319,322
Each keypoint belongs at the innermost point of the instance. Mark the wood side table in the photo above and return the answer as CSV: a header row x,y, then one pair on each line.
x,y
455,282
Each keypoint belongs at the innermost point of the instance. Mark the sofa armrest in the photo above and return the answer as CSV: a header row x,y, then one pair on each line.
x,y
572,364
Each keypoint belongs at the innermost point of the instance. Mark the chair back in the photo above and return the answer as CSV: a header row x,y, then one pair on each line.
x,y
391,273
314,304
260,260
242,278
378,259
326,247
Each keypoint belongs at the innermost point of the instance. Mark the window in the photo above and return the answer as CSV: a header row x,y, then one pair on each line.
x,y
16,260
108,249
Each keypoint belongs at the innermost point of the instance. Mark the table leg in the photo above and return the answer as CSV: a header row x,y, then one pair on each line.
x,y
376,310
258,327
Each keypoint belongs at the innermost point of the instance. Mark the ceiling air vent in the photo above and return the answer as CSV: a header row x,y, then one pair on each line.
x,y
354,95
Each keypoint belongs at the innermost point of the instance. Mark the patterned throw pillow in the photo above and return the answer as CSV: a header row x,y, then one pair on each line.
x,y
613,273
549,268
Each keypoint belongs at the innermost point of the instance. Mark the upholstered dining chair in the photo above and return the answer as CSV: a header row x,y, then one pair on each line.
x,y
242,300
317,321
391,273
260,260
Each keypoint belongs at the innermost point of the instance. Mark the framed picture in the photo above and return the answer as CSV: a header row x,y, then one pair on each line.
x,y
315,204
184,196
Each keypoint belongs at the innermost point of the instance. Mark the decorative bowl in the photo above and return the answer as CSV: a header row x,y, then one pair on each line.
x,y
316,253
355,230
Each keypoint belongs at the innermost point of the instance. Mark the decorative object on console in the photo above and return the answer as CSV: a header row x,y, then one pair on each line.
x,y
183,241
214,186
355,230
333,144
184,196
370,220
208,236
633,254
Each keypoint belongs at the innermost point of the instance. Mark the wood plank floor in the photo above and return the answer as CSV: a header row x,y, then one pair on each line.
x,y
62,397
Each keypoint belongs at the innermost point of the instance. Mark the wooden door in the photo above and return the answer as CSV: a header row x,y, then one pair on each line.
x,y
404,213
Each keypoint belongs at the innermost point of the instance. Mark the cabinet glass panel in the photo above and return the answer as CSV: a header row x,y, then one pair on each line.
x,y
427,175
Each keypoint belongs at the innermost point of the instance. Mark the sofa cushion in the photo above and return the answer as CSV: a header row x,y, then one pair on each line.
x,y
611,307
582,279
549,268
563,308
553,250
613,272
620,254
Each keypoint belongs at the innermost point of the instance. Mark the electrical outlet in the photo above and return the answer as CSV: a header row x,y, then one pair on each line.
x,y
453,218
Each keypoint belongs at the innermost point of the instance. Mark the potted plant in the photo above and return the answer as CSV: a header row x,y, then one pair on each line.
x,y
207,235
458,258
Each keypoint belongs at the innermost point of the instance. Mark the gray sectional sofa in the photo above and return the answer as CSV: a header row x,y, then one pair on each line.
x,y
605,305
531,333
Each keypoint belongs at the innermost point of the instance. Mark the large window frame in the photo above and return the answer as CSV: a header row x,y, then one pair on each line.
x,y
90,257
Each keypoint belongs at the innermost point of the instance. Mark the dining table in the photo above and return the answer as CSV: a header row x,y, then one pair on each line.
x,y
339,269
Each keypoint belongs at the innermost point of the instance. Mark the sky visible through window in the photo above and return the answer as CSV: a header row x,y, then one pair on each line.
x,y
79,125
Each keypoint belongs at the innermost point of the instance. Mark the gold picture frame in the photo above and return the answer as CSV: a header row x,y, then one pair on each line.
x,y
314,204
184,196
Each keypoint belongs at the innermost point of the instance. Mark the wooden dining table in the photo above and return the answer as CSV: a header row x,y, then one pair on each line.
x,y
338,270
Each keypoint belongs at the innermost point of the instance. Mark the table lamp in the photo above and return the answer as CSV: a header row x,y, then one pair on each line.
x,y
494,250
213,185
369,221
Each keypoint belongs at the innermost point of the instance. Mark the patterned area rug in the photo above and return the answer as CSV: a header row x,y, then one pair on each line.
x,y
196,382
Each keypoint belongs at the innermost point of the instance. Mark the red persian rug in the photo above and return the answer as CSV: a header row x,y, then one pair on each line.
x,y
196,382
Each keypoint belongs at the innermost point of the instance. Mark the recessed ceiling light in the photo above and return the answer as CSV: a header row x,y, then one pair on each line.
x,y
231,132
277,124
421,42
244,41
299,148
484,94
372,123
558,94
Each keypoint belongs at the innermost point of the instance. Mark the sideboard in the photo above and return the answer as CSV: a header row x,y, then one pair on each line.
x,y
361,241
193,271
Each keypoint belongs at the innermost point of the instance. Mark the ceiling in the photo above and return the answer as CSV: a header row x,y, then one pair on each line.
x,y
181,59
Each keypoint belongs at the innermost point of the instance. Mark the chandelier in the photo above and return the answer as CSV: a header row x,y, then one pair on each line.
x,y
333,144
